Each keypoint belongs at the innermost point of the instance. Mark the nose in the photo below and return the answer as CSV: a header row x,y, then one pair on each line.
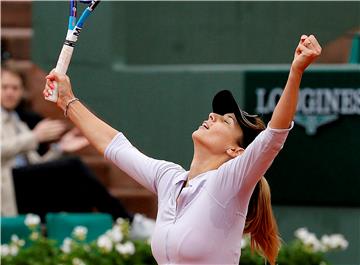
x,y
212,117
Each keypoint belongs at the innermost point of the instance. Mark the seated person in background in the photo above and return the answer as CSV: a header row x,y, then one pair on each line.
x,y
48,183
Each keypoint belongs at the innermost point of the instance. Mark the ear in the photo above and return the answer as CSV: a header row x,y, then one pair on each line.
x,y
234,151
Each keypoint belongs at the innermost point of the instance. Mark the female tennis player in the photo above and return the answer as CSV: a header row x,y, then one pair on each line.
x,y
203,212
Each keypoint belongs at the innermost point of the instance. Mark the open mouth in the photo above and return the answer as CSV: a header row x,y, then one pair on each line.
x,y
205,125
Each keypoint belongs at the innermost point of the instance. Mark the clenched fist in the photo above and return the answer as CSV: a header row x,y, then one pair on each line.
x,y
306,52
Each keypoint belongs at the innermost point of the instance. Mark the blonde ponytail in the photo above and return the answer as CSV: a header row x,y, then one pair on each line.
x,y
261,224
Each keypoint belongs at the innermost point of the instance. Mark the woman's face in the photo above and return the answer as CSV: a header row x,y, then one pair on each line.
x,y
218,133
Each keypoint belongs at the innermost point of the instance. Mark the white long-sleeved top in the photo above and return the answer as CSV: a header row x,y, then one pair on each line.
x,y
207,223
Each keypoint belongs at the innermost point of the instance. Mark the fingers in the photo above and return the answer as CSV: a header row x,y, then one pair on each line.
x,y
302,48
54,131
307,43
306,52
49,87
51,136
310,42
52,75
72,145
309,46
60,84
49,130
47,124
314,43
53,127
75,132
70,134
50,83
302,44
302,39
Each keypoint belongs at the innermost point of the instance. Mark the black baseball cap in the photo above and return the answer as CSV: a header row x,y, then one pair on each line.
x,y
224,102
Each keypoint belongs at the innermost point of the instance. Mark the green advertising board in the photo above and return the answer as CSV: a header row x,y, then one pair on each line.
x,y
320,162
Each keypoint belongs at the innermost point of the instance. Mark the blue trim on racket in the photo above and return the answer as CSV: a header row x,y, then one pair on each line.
x,y
74,29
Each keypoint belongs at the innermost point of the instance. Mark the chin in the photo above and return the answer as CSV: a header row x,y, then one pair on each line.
x,y
197,132
194,135
9,107
198,137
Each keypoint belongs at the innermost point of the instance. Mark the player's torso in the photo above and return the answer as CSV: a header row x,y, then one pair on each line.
x,y
192,227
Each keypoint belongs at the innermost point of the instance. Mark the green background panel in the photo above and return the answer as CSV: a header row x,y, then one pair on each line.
x,y
61,225
230,32
190,32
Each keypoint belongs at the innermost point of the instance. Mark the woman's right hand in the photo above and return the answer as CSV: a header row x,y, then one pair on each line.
x,y
64,88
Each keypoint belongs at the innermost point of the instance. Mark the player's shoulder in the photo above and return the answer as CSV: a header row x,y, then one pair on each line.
x,y
170,167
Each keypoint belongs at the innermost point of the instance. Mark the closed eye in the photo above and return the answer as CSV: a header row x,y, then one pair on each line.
x,y
229,119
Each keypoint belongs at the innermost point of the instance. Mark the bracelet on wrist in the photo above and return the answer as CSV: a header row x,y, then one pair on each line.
x,y
68,105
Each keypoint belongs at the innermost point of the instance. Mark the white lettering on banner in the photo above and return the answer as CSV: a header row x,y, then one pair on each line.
x,y
316,106
307,101
260,97
274,96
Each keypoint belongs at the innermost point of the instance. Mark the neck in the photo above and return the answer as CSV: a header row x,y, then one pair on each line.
x,y
204,161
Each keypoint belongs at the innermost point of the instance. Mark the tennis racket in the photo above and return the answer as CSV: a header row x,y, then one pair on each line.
x,y
74,29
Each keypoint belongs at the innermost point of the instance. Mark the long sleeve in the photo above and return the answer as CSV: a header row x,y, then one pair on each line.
x,y
149,172
17,138
240,175
18,144
13,142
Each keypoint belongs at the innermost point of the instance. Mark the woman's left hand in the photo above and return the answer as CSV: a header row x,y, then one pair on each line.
x,y
306,52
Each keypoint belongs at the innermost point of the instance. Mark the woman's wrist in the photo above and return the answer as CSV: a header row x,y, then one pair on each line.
x,y
296,70
68,104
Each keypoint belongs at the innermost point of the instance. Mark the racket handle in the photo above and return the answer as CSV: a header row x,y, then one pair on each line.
x,y
61,68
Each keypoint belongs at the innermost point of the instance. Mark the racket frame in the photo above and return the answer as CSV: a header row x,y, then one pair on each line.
x,y
73,32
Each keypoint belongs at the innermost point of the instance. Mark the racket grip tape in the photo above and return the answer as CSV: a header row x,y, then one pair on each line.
x,y
61,68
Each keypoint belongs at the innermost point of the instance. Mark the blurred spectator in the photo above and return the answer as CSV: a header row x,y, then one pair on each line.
x,y
44,183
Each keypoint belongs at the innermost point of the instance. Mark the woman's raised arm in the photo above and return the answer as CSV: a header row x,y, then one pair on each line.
x,y
306,52
94,129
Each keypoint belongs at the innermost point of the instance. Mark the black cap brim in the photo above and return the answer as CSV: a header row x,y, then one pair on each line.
x,y
224,102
